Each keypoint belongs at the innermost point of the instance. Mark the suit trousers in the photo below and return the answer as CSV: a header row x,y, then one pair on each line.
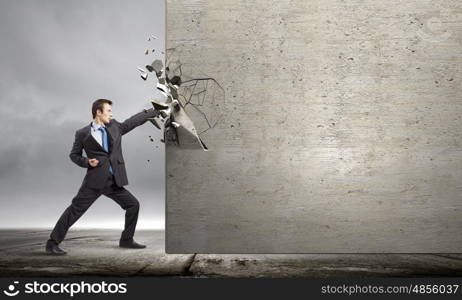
x,y
85,198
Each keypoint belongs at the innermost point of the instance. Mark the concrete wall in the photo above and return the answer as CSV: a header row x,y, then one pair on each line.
x,y
342,130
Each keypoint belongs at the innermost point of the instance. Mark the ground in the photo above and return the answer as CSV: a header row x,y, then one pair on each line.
x,y
96,253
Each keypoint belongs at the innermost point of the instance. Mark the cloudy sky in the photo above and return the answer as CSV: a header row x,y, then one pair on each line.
x,y
57,57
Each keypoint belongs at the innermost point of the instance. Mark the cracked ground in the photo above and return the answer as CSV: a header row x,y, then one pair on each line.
x,y
96,253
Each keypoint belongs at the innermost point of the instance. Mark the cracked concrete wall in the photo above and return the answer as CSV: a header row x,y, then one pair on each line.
x,y
342,129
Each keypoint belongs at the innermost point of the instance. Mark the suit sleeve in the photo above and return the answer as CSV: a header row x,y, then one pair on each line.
x,y
137,120
76,153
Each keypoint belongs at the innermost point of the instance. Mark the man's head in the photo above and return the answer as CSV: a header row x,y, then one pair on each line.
x,y
102,110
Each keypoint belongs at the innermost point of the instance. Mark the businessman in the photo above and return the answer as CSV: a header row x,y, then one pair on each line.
x,y
106,174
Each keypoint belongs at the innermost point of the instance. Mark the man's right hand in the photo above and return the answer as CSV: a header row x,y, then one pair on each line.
x,y
93,162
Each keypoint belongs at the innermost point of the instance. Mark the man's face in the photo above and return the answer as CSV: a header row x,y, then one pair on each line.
x,y
106,115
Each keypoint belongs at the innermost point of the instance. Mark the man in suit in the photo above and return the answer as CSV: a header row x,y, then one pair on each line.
x,y
106,174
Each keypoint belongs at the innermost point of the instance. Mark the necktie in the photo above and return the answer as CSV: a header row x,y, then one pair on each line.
x,y
105,144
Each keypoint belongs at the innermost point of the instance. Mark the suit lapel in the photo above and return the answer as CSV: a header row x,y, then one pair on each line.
x,y
92,139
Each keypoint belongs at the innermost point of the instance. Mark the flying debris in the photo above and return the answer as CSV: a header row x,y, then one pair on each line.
x,y
147,52
143,73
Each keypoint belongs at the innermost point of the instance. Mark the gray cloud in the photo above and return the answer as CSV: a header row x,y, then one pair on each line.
x,y
57,57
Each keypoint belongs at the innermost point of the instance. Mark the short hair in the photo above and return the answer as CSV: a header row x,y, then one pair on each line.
x,y
98,105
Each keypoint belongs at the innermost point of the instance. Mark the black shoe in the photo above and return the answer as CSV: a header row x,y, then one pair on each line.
x,y
131,244
53,249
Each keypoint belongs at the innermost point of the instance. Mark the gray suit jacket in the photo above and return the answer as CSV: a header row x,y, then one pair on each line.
x,y
96,177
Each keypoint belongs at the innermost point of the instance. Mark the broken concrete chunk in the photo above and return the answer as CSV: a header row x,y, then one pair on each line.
x,y
176,80
186,132
173,92
163,88
156,66
158,105
155,123
143,73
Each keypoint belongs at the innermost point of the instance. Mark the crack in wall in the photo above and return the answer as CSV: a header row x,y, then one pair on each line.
x,y
193,104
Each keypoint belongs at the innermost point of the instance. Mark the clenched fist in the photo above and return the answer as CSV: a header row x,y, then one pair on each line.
x,y
93,162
